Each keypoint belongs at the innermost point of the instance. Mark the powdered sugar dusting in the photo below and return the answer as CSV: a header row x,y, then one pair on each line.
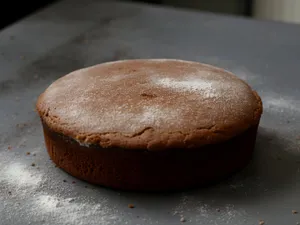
x,y
239,70
207,88
155,115
129,120
19,175
114,78
67,211
244,74
136,94
30,193
280,103
172,60
154,60
208,213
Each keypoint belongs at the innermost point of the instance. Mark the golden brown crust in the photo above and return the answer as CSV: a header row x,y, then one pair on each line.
x,y
150,104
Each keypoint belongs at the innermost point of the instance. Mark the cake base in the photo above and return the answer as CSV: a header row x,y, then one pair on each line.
x,y
142,170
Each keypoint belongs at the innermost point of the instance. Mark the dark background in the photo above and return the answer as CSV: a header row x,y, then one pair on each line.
x,y
16,11
11,11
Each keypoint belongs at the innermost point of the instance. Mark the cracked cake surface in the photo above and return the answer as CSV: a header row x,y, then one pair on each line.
x,y
148,104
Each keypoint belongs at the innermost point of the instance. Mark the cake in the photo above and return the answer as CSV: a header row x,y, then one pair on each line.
x,y
150,124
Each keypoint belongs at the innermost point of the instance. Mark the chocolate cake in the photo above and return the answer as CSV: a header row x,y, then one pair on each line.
x,y
150,125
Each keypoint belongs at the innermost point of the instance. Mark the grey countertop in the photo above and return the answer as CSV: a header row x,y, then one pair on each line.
x,y
75,34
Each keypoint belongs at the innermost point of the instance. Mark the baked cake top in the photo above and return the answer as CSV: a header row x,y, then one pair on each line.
x,y
150,104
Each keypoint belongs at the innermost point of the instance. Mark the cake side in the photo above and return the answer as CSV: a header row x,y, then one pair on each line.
x,y
151,170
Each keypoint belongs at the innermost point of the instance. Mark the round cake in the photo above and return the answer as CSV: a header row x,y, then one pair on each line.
x,y
150,125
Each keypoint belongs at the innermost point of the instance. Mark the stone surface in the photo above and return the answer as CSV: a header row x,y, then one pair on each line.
x,y
74,34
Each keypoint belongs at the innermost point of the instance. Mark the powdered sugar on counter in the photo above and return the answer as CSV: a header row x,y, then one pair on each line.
x,y
276,103
67,211
19,176
208,214
33,195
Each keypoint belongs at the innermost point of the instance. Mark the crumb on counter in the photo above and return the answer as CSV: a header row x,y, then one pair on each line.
x,y
294,211
261,222
182,219
21,125
33,164
27,153
131,206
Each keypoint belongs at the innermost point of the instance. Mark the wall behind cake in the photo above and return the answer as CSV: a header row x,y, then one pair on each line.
x,y
277,10
235,7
